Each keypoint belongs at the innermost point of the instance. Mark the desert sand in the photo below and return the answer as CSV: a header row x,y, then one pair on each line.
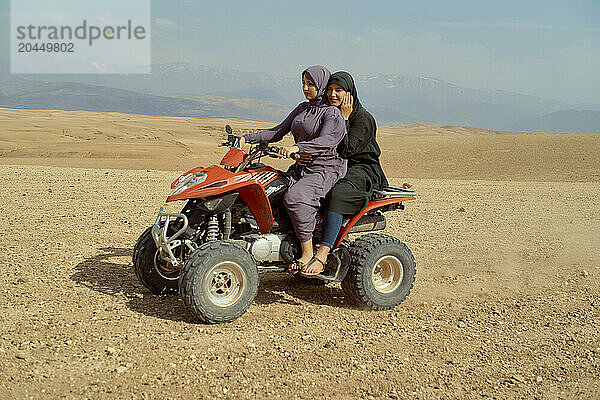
x,y
505,233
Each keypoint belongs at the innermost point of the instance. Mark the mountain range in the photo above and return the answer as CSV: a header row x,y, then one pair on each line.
x,y
183,89
31,94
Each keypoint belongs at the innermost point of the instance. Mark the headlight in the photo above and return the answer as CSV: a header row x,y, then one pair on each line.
x,y
180,180
186,182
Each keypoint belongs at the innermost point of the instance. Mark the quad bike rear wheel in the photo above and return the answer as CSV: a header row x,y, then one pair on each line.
x,y
145,263
382,271
219,281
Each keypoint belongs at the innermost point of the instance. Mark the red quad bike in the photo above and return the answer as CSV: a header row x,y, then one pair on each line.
x,y
235,227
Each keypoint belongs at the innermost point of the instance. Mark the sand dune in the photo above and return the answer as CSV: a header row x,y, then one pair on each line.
x,y
504,231
113,140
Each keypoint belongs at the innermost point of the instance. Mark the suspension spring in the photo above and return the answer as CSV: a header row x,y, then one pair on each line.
x,y
212,230
226,224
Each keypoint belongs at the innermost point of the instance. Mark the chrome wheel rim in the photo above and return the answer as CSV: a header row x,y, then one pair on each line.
x,y
224,284
387,274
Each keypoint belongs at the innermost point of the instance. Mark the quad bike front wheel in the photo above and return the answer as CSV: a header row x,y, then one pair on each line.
x,y
153,272
219,281
382,271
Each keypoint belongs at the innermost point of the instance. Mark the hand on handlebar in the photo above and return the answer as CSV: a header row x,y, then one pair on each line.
x,y
287,151
242,141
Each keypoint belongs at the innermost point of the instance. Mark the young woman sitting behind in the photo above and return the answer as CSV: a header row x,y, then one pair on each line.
x,y
318,128
359,147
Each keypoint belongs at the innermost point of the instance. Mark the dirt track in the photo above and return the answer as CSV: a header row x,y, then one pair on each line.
x,y
506,302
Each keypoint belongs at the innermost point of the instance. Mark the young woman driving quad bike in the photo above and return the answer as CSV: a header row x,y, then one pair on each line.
x,y
317,128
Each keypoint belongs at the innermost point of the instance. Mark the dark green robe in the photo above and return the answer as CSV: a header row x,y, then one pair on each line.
x,y
352,193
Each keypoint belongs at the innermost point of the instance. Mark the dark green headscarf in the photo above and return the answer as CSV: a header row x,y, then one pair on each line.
x,y
345,80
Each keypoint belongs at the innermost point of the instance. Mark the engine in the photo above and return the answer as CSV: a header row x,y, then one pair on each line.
x,y
271,247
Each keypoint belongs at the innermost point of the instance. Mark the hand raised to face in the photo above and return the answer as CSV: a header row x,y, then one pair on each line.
x,y
347,105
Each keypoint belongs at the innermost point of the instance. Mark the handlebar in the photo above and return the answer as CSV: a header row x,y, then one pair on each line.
x,y
232,141
271,151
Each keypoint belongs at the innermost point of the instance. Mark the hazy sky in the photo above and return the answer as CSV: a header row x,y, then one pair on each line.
x,y
545,48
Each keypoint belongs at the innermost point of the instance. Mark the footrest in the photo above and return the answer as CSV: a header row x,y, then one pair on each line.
x,y
337,266
391,191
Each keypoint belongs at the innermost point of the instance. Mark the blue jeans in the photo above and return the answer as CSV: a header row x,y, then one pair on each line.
x,y
332,228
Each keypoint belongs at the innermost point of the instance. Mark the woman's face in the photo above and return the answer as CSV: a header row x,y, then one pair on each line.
x,y
309,88
335,94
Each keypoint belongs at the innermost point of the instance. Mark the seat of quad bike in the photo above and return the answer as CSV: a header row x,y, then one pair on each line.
x,y
391,191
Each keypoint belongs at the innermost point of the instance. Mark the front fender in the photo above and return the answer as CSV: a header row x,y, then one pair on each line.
x,y
220,181
253,194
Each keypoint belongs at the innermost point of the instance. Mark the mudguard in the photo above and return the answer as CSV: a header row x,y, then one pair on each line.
x,y
234,157
253,194
372,205
248,185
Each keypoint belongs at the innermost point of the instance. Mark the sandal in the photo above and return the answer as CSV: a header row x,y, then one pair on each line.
x,y
295,267
312,261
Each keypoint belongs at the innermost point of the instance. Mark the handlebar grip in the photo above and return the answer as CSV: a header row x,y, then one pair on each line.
x,y
273,149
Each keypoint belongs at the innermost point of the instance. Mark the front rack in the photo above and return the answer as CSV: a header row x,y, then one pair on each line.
x,y
159,233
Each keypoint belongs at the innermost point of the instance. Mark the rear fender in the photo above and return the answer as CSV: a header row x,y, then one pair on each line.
x,y
372,205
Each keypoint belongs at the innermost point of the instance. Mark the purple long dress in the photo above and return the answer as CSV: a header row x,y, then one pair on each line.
x,y
317,128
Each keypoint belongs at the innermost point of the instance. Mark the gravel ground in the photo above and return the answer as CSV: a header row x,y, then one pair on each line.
x,y
506,303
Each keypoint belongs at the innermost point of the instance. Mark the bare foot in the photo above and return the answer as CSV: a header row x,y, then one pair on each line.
x,y
297,265
322,253
304,260
314,267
